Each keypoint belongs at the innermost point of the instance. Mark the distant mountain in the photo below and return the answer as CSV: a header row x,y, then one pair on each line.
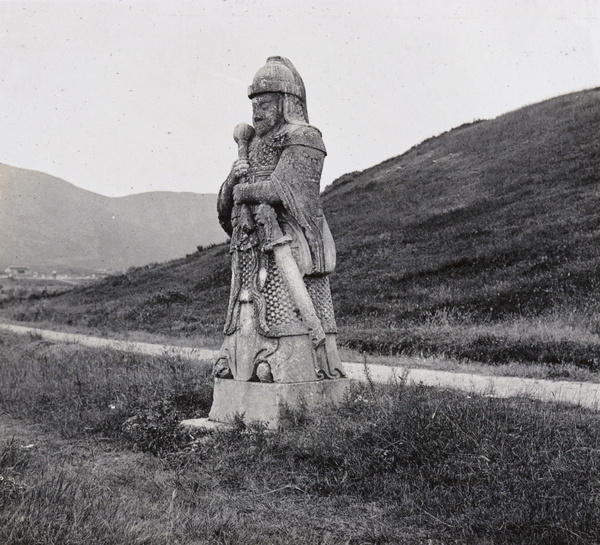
x,y
47,222
490,223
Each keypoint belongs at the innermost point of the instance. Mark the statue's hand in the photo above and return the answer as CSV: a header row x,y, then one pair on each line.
x,y
239,169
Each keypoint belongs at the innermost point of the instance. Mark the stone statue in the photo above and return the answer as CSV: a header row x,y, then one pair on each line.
x,y
280,325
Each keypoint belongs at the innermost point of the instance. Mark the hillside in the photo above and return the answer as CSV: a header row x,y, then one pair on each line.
x,y
486,231
47,222
493,218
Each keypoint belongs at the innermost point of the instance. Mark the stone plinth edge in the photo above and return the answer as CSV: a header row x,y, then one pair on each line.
x,y
265,402
202,423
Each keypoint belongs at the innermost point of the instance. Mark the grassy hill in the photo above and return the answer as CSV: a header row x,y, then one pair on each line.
x,y
480,243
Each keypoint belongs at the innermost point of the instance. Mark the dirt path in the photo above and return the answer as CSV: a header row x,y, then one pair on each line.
x,y
125,346
586,394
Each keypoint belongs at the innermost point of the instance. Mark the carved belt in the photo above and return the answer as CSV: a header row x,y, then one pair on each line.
x,y
258,175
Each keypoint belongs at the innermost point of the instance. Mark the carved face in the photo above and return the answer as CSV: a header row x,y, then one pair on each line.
x,y
266,112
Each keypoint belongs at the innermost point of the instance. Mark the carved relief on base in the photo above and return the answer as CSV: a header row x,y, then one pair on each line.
x,y
246,355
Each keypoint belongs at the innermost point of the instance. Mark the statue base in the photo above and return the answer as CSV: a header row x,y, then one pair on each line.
x,y
265,402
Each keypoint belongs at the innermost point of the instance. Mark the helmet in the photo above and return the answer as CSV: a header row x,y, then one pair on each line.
x,y
279,75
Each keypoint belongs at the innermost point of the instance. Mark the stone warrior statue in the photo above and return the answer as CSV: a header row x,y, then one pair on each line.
x,y
280,325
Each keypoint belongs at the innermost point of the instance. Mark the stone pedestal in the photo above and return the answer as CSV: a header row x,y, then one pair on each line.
x,y
265,402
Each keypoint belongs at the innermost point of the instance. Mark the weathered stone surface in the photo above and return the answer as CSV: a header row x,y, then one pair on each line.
x,y
280,333
280,324
262,402
203,423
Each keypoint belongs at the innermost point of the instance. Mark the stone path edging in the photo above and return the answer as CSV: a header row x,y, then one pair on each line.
x,y
585,394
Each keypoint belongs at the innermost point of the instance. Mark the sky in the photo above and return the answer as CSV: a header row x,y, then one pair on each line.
x,y
123,97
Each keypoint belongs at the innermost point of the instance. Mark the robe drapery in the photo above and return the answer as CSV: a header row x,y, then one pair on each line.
x,y
263,323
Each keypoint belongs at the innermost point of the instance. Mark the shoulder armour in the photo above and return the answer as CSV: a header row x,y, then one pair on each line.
x,y
303,135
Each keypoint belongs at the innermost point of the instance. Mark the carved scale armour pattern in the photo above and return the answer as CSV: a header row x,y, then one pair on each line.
x,y
263,159
279,305
320,293
282,317
245,269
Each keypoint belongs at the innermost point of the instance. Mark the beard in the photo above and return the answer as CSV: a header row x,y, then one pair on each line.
x,y
264,126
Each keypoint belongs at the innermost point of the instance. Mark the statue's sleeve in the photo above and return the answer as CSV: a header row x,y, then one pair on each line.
x,y
297,180
225,204
257,193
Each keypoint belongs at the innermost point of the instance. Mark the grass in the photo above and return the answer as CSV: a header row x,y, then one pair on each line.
x,y
97,457
75,390
567,344
18,289
564,372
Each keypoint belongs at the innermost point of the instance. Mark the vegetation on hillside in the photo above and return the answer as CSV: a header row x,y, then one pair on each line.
x,y
481,243
492,220
94,454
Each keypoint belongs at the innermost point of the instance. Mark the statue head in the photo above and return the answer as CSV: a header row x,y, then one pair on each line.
x,y
267,112
279,77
